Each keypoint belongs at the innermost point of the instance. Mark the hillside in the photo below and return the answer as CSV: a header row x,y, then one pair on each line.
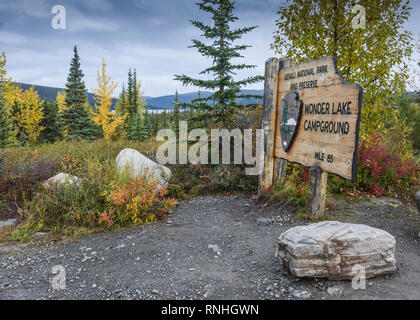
x,y
162,102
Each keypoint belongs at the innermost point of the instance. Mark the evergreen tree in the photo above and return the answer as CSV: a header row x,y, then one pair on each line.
x,y
135,91
50,122
135,126
7,129
156,123
221,51
176,114
165,122
75,119
130,96
122,102
146,129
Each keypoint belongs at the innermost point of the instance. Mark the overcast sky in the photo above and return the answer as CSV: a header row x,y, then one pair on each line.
x,y
150,35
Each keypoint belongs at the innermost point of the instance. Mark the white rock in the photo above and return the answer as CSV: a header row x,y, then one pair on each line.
x,y
40,236
215,248
60,179
136,163
299,294
331,249
334,291
8,223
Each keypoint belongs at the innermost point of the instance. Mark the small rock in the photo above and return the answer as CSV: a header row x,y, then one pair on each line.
x,y
8,223
299,294
60,179
120,246
40,236
334,291
215,248
264,221
154,291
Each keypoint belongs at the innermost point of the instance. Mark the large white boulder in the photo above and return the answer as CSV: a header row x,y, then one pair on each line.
x,y
136,163
60,179
332,249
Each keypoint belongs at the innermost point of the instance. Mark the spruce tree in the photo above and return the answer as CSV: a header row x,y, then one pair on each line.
x,y
7,129
130,96
156,123
135,126
176,115
164,119
122,101
221,51
75,119
50,122
135,92
146,129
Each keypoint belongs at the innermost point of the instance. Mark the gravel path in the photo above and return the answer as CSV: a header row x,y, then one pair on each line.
x,y
212,248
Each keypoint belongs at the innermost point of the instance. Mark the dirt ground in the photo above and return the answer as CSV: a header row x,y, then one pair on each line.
x,y
212,247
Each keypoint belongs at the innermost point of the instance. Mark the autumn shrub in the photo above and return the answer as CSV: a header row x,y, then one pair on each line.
x,y
93,204
382,170
135,200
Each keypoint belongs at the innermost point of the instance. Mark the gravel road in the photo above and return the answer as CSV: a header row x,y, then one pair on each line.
x,y
212,247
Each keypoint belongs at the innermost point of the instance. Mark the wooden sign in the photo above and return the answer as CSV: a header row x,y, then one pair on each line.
x,y
310,116
327,123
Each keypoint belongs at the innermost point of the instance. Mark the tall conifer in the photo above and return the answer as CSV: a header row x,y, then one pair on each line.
x,y
221,51
75,119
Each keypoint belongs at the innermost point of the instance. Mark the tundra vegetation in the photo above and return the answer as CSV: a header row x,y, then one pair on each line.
x,y
40,138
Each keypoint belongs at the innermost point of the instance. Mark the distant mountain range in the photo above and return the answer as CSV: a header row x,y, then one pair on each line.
x,y
162,102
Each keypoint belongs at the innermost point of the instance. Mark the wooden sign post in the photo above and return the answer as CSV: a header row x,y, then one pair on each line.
x,y
310,116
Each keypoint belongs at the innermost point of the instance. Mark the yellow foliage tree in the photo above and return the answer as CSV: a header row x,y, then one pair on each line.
x,y
25,107
30,115
103,116
12,94
2,66
61,100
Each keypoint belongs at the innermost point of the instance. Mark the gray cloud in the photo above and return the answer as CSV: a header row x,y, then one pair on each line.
x,y
150,35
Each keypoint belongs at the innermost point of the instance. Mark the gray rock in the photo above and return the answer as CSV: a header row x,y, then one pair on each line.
x,y
299,294
8,223
215,248
334,291
332,249
264,221
40,236
60,179
418,200
136,164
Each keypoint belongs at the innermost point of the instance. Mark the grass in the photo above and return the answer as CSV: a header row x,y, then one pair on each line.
x,y
69,210
106,198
